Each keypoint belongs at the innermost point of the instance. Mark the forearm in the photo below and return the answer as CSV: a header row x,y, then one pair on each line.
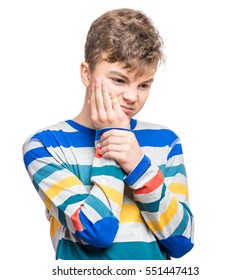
x,y
85,209
168,217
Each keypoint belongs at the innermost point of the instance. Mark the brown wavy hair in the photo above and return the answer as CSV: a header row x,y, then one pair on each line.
x,y
127,36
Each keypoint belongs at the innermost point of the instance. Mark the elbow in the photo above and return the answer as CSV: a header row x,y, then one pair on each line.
x,y
177,246
100,234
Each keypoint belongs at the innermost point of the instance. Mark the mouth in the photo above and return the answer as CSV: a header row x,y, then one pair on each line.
x,y
127,110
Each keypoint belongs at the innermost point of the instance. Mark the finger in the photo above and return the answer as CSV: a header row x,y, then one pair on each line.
x,y
99,98
112,155
111,148
107,99
94,112
114,100
115,133
112,140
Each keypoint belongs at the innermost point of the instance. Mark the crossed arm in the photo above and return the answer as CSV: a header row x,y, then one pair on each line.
x,y
94,216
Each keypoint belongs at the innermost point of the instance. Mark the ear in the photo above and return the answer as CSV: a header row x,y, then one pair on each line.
x,y
85,73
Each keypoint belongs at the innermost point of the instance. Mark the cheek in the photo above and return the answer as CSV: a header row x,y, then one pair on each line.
x,y
118,90
143,98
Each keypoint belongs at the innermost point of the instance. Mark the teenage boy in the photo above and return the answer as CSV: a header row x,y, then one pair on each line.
x,y
114,187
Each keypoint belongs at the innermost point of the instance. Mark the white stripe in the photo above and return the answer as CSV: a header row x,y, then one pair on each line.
x,y
134,232
145,125
158,155
67,193
175,160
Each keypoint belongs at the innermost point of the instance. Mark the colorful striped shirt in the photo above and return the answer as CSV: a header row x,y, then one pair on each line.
x,y
95,210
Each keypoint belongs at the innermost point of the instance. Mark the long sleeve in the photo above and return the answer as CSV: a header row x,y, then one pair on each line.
x,y
161,194
105,199
89,208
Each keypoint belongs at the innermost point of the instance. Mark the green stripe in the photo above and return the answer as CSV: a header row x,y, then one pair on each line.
x,y
108,170
182,226
99,206
174,170
71,200
83,172
152,206
68,250
45,171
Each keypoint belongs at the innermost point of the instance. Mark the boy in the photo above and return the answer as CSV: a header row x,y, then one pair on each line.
x,y
114,187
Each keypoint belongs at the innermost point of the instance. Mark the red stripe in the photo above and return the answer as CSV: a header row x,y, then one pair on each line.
x,y
76,221
152,184
98,155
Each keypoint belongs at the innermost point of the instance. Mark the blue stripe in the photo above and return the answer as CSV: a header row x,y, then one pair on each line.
x,y
155,138
100,234
140,169
81,128
146,137
90,131
34,154
57,138
176,150
177,246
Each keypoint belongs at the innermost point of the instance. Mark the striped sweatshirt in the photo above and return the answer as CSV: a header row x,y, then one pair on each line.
x,y
95,210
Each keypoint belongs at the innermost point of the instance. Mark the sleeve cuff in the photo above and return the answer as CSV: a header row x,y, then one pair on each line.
x,y
138,171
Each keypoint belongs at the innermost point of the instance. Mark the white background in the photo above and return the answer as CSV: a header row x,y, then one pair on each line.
x,y
202,94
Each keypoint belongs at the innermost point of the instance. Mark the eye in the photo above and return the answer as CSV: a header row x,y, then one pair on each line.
x,y
144,86
118,80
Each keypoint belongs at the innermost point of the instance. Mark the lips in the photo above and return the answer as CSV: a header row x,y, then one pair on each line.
x,y
127,110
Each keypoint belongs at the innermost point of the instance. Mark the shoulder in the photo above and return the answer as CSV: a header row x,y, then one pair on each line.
x,y
156,132
46,132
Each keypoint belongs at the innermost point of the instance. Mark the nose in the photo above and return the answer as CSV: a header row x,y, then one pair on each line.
x,y
130,95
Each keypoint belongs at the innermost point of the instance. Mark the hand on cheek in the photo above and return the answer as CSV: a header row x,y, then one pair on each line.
x,y
105,108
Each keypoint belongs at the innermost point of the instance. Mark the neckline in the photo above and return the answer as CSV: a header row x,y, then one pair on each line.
x,y
91,131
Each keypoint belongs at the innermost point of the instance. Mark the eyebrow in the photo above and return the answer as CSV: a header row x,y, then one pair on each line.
x,y
125,77
118,74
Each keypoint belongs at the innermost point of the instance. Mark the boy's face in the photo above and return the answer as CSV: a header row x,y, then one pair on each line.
x,y
131,90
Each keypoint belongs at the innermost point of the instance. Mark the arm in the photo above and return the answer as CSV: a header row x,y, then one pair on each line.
x,y
162,197
163,201
90,210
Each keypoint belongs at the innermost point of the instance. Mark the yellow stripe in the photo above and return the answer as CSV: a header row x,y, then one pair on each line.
x,y
55,224
165,217
130,213
178,188
112,194
58,187
48,203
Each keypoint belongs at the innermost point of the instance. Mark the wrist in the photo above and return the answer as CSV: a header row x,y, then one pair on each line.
x,y
138,171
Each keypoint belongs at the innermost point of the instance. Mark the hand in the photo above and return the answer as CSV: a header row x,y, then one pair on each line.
x,y
121,146
105,108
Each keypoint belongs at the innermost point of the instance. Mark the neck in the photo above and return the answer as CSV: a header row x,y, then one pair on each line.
x,y
84,117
